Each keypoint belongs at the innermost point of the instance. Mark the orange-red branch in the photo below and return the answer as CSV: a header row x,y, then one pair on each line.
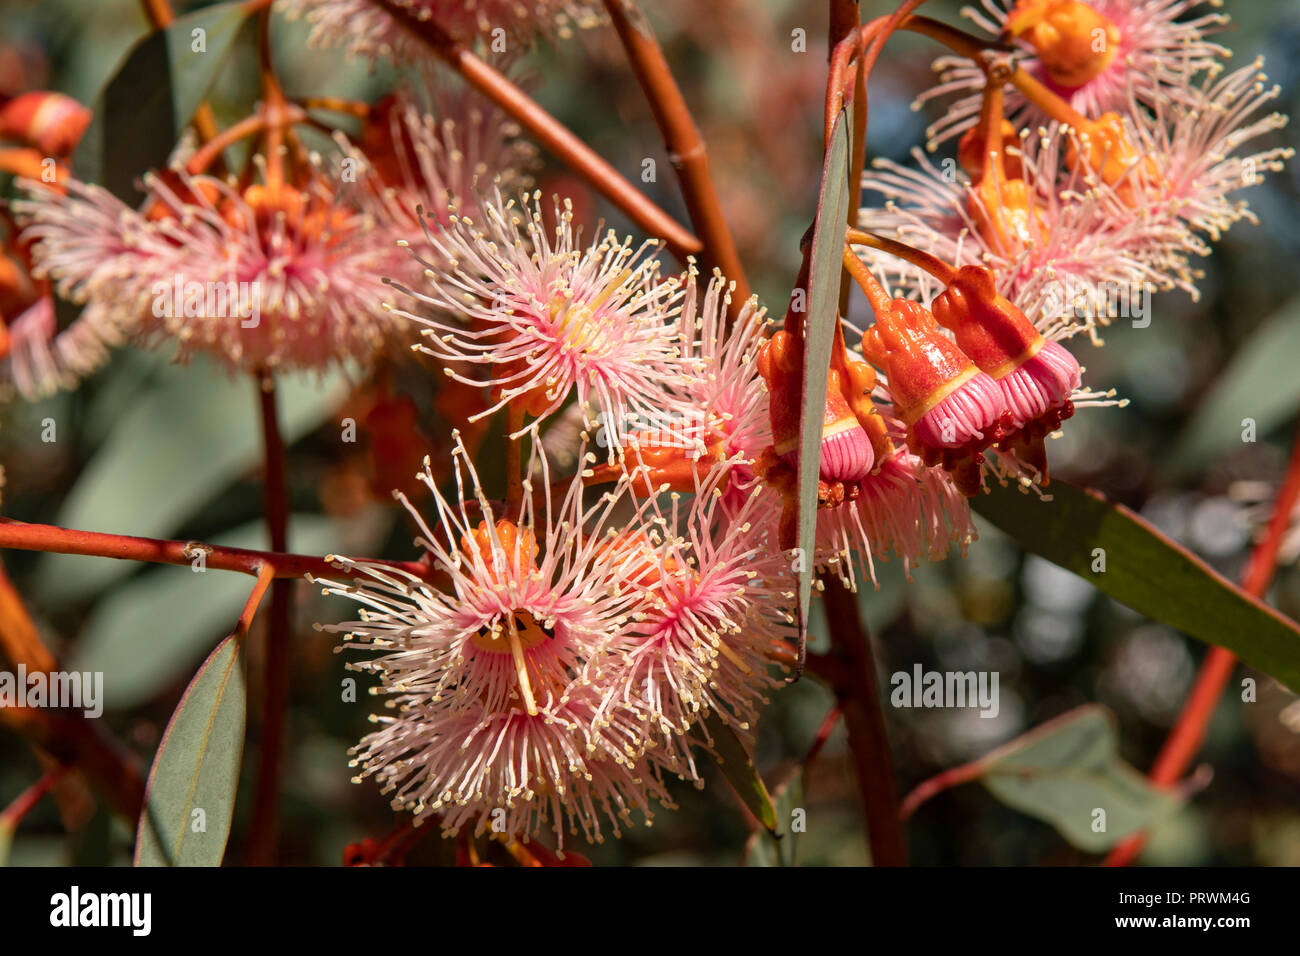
x,y
682,138
20,536
553,135
1189,731
25,801
900,250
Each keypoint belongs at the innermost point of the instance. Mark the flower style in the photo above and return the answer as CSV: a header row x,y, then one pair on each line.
x,y
548,317
374,29
498,676
1097,55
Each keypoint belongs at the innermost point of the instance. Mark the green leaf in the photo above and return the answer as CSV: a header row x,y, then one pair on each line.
x,y
140,114
1069,768
738,768
197,768
121,638
1078,529
779,848
1259,383
173,450
826,271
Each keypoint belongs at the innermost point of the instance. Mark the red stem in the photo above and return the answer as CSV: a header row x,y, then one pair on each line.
x,y
262,829
1189,732
682,138
20,536
25,801
550,132
938,783
858,693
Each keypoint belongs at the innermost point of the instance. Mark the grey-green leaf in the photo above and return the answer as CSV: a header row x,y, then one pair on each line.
x,y
174,448
826,271
190,795
1083,532
1259,383
738,768
1068,773
140,114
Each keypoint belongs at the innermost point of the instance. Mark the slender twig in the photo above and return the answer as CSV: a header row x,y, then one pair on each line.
x,y
262,829
952,777
973,48
823,734
686,148
879,31
924,260
334,104
264,579
877,297
207,154
549,132
1189,731
858,693
22,805
21,536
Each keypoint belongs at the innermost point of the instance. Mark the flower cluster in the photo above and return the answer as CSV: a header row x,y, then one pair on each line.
x,y
569,650
1121,151
1113,162
566,655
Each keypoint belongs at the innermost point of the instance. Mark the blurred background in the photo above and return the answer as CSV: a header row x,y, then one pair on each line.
x,y
149,448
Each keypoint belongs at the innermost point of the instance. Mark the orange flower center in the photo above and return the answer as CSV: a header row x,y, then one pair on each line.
x,y
518,626
573,321
1074,42
1005,211
1106,151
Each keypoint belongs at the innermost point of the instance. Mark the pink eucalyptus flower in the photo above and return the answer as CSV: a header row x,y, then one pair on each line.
x,y
498,676
547,316
1095,55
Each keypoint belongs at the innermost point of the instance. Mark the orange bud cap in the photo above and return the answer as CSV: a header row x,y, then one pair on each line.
x,y
52,122
846,453
518,548
923,366
988,327
1074,41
